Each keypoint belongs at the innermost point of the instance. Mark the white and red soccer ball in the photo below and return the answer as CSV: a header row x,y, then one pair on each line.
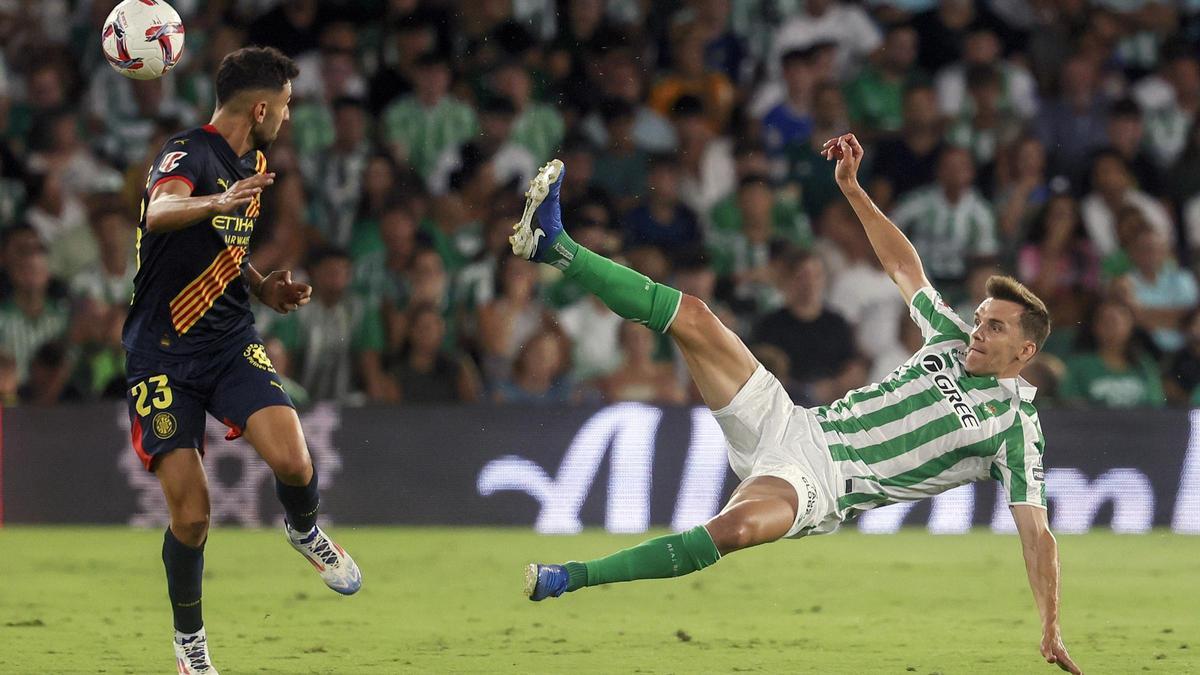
x,y
142,39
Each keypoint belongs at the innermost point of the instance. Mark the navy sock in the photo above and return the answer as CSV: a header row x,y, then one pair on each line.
x,y
300,503
185,570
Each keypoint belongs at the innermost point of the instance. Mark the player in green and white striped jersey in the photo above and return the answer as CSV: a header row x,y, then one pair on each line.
x,y
956,412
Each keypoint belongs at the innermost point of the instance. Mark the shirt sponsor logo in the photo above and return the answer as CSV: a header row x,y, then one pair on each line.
x,y
966,415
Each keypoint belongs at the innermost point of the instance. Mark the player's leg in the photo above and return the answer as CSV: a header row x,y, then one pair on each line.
x,y
185,486
250,398
166,425
761,510
718,360
275,433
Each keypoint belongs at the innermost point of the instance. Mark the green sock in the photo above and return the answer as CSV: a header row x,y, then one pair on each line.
x,y
630,294
673,555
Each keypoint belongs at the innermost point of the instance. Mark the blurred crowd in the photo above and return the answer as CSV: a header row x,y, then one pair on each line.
x,y
1055,140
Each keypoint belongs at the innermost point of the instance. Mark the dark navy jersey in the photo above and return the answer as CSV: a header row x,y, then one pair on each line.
x,y
188,294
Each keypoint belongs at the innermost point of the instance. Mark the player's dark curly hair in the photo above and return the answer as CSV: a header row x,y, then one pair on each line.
x,y
253,68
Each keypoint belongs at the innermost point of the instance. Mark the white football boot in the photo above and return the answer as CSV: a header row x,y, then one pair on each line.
x,y
191,654
336,567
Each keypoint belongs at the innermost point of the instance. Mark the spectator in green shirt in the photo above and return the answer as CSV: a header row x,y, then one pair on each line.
x,y
336,340
1110,369
875,97
422,125
30,316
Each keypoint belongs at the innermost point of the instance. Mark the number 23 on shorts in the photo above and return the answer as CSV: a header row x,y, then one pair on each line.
x,y
157,390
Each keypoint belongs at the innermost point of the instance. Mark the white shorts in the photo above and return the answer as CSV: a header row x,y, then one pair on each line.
x,y
766,434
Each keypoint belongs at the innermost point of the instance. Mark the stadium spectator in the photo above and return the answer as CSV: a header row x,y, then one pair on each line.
x,y
423,372
421,125
818,341
1127,136
1016,95
337,341
620,167
640,377
949,222
512,319
875,97
845,24
1161,293
807,175
859,290
1109,368
108,282
909,342
61,222
1113,188
909,160
380,275
625,79
57,148
1182,381
744,226
707,170
689,76
49,380
1168,124
1074,123
538,375
536,127
30,317
988,128
334,175
663,220
1057,260
1022,189
791,119
512,163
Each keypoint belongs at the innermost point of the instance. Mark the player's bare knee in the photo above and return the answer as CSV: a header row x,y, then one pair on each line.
x,y
191,529
694,318
295,469
733,531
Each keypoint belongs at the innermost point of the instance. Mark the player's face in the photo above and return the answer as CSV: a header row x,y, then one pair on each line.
x,y
998,346
277,112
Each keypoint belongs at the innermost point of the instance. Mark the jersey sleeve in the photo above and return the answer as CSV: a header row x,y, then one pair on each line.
x,y
177,161
1019,464
938,323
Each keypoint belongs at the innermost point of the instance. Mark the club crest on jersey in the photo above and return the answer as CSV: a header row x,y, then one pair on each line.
x,y
170,161
256,354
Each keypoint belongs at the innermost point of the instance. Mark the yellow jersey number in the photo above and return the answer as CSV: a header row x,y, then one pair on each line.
x,y
157,394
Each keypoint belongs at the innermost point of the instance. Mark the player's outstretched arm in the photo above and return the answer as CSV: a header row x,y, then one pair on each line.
x,y
895,251
172,206
1041,564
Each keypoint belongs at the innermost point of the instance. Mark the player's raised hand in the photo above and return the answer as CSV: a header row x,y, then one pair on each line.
x,y
242,192
283,295
1055,652
849,153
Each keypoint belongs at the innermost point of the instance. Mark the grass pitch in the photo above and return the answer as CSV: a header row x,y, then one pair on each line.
x,y
448,600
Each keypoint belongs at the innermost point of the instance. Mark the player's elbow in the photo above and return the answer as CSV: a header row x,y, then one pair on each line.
x,y
154,220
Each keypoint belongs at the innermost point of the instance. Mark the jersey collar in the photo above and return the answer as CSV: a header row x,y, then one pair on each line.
x,y
1020,386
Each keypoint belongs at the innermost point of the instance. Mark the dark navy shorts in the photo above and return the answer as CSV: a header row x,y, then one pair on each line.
x,y
168,398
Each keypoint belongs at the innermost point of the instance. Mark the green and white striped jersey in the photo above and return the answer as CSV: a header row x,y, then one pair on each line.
x,y
930,426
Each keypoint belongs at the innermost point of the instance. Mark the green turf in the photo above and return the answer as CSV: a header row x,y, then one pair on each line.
x,y
448,600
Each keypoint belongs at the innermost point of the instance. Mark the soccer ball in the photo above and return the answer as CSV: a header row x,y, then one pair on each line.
x,y
142,39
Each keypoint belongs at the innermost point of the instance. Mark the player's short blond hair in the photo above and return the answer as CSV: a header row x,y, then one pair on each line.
x,y
1035,319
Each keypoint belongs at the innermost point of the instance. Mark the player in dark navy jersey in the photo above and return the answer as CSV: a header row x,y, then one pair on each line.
x,y
190,339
